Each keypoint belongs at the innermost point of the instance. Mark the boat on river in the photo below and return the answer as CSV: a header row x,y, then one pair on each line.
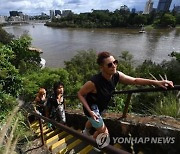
x,y
142,30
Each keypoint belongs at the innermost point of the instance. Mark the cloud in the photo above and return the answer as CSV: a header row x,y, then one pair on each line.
x,y
77,6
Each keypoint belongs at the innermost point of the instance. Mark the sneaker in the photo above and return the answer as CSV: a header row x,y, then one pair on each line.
x,y
85,132
96,149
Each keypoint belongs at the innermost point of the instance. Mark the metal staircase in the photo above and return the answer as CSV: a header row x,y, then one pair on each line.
x,y
59,141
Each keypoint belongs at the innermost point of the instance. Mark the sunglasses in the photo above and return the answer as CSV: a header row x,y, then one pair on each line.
x,y
109,65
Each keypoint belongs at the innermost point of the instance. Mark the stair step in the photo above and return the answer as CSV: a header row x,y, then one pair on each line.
x,y
38,130
60,142
86,149
70,147
55,138
51,134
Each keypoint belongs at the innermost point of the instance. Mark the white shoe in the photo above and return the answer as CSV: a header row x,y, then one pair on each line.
x,y
85,132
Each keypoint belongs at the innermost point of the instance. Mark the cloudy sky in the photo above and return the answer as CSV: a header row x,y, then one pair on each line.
x,y
35,7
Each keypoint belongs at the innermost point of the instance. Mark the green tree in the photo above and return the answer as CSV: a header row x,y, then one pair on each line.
x,y
178,19
167,20
44,78
82,66
10,80
140,20
5,37
24,58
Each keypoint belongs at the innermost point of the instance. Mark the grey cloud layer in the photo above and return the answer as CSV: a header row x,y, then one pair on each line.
x,y
38,6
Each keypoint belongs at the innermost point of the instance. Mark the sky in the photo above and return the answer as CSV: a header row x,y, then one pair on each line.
x,y
36,7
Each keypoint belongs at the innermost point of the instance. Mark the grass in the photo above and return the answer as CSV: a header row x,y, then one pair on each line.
x,y
169,106
12,131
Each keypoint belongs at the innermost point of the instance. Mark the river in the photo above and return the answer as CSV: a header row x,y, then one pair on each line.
x,y
59,45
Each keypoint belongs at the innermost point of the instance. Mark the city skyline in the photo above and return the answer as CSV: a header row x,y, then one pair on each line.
x,y
36,7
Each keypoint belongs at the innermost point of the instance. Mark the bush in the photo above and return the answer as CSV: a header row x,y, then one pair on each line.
x,y
44,78
10,80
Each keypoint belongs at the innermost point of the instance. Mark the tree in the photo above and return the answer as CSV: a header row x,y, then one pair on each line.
x,y
5,37
168,20
82,66
165,20
140,20
178,19
24,59
10,80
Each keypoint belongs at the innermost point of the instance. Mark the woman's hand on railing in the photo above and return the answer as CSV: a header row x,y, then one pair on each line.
x,y
164,84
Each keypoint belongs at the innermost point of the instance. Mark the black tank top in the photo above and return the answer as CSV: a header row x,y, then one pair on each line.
x,y
104,88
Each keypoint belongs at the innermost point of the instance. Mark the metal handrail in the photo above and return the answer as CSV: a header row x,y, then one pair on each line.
x,y
89,140
140,90
109,148
130,92
157,89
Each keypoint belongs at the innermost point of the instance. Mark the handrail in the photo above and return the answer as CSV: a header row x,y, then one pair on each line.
x,y
140,90
130,92
157,89
108,149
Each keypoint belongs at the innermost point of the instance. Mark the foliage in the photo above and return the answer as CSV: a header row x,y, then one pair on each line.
x,y
5,37
178,19
43,78
118,18
7,102
141,103
176,55
13,129
10,80
166,20
81,67
148,67
24,58
169,105
172,70
126,63
116,105
140,20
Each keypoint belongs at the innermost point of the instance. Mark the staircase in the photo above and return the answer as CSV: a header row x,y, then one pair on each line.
x,y
59,141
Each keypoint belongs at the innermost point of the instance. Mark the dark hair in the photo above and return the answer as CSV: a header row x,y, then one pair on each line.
x,y
101,56
56,85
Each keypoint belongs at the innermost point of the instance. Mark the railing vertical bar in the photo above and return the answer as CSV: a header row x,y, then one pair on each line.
x,y
41,130
128,100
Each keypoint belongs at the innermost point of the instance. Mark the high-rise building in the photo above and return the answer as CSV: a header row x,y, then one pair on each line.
x,y
164,5
176,9
13,13
65,13
51,13
133,10
57,12
124,8
148,7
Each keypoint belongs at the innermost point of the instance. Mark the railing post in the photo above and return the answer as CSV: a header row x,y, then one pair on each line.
x,y
126,105
41,130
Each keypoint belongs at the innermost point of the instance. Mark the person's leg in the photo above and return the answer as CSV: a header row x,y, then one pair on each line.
x,y
87,128
88,125
102,129
61,114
